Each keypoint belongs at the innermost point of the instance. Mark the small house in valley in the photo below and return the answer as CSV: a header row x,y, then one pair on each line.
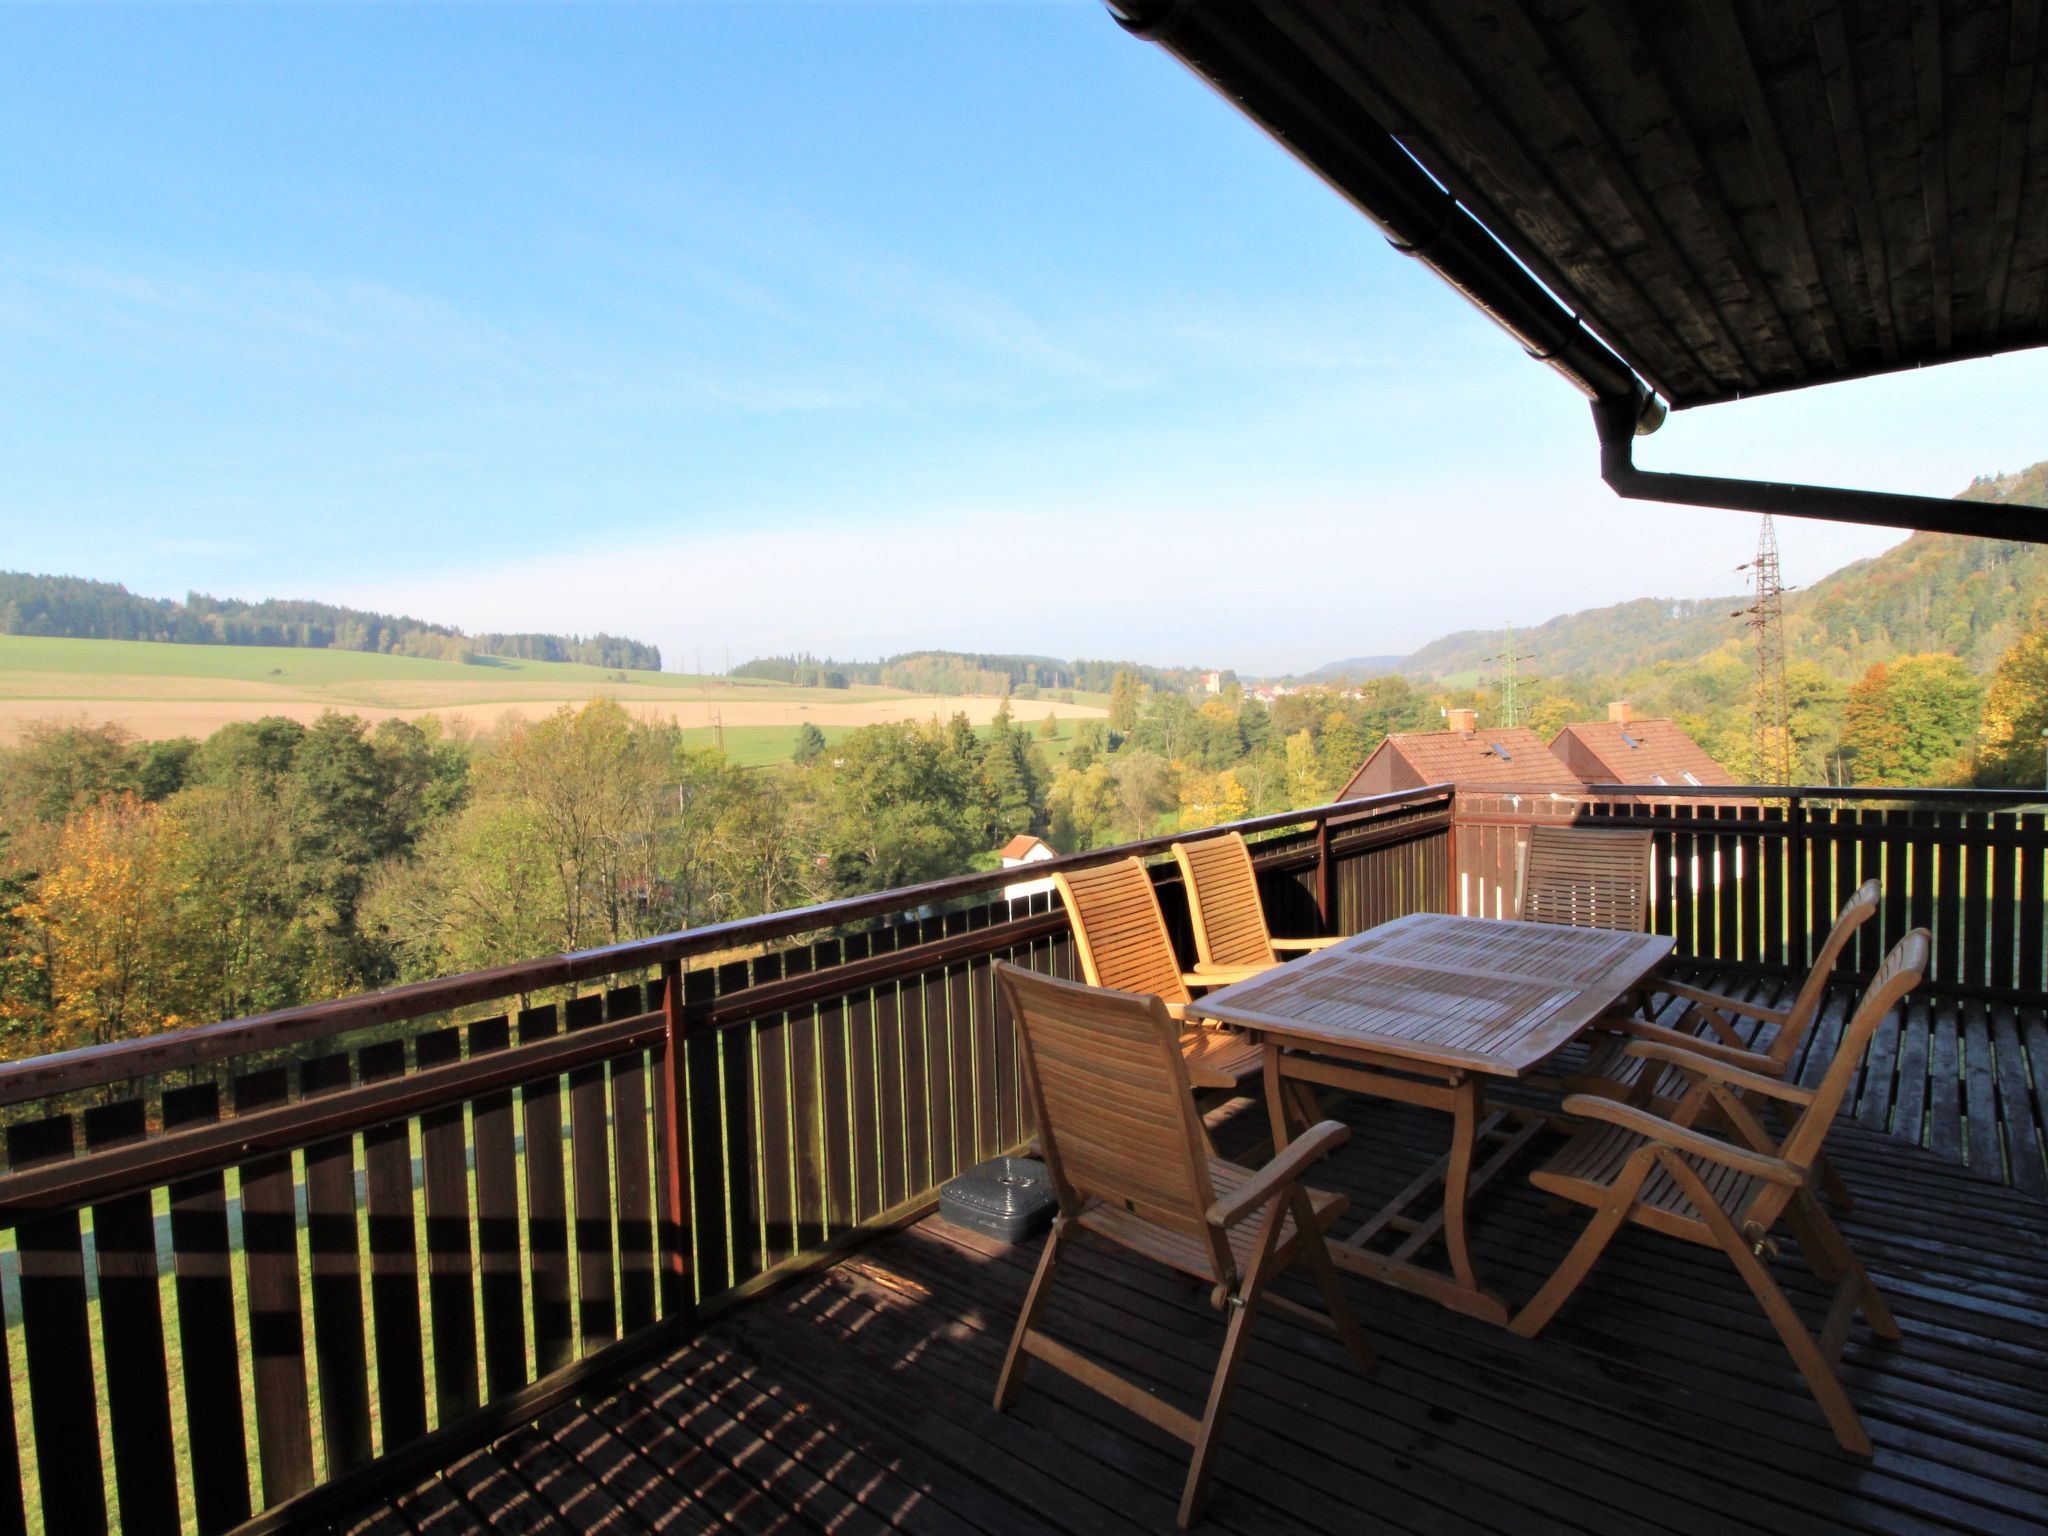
x,y
1025,849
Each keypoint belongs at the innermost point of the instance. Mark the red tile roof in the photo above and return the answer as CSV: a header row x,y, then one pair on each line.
x,y
1022,844
1470,757
1638,752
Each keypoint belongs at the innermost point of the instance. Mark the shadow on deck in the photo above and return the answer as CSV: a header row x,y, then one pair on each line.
x,y
1658,1402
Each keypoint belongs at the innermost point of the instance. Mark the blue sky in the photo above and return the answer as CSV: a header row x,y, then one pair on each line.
x,y
837,327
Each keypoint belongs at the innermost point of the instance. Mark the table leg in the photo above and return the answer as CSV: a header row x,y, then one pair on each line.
x,y
1279,1102
1467,1104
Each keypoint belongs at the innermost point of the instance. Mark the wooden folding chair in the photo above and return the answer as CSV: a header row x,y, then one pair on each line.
x,y
1709,1027
1121,936
1231,933
1586,877
1631,1166
1130,1164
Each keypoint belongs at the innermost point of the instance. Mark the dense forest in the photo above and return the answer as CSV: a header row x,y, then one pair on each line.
x,y
963,672
71,607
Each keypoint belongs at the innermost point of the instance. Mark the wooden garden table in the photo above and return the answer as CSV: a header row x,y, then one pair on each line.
x,y
1426,1009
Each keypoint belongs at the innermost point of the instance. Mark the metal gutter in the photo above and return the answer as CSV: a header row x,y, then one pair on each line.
x,y
1614,421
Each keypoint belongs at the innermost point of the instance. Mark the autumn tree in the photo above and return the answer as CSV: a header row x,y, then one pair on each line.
x,y
107,914
1210,799
2010,740
1911,723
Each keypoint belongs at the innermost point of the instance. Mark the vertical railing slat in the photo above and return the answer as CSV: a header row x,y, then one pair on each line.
x,y
277,1340
334,1243
55,1334
132,1337
590,1157
208,1352
451,1284
502,1272
394,1262
547,1206
632,1173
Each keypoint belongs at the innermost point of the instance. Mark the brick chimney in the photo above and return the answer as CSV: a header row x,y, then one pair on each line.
x,y
1618,713
1463,720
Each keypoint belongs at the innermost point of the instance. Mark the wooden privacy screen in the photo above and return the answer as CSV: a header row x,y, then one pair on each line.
x,y
246,1276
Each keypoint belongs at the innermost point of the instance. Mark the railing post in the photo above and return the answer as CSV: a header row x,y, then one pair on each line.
x,y
1799,921
1323,872
677,1299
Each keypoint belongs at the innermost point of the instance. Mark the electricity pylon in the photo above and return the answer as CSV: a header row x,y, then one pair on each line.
x,y
1770,734
1511,678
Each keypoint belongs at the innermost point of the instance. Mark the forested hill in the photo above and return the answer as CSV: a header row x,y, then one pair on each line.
x,y
1934,592
69,607
1619,637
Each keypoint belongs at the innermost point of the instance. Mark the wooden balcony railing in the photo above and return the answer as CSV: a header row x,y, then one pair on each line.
x,y
262,1265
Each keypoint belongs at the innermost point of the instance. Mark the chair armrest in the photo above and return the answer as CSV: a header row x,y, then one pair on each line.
x,y
1311,1146
1698,1045
1680,1138
1687,1059
1307,944
1222,975
1721,1001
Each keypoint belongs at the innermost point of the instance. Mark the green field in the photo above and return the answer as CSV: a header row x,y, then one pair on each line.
x,y
26,660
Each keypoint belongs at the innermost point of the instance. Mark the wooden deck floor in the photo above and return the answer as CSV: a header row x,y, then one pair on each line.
x,y
1659,1401
1966,1079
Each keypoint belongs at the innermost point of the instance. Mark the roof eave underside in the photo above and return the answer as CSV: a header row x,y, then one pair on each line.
x,y
1736,198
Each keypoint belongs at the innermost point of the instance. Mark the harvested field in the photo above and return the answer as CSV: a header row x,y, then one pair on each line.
x,y
159,691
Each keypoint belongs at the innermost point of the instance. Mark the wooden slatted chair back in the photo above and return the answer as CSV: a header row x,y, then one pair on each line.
x,y
1119,930
1116,1117
1901,972
1586,877
1223,901
1858,910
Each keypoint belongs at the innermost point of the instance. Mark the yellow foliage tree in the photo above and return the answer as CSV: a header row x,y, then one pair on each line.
x,y
107,910
1306,785
1209,799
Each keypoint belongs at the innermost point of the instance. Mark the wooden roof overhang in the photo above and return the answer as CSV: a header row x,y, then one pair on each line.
x,y
1690,202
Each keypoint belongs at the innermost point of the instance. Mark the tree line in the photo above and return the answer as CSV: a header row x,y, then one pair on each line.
x,y
71,607
968,672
